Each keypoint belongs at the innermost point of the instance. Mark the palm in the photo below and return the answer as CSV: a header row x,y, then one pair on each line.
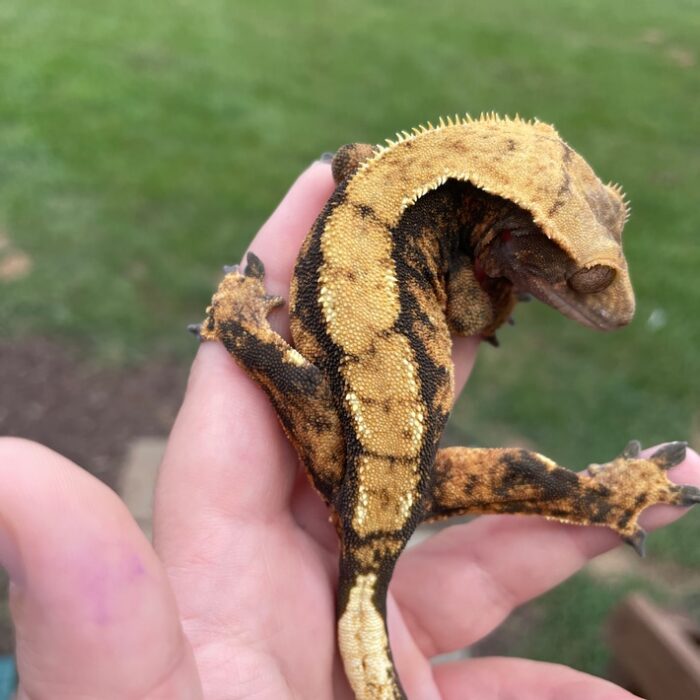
x,y
237,598
277,613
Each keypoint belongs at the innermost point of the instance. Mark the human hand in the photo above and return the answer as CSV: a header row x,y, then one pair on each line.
x,y
236,597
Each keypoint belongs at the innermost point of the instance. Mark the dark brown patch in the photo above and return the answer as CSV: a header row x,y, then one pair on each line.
x,y
525,469
563,193
365,210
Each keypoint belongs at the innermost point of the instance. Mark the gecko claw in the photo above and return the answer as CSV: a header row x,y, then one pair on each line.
x,y
491,340
670,455
689,496
254,267
632,450
637,541
195,329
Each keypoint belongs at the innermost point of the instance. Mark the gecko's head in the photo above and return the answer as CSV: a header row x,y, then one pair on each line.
x,y
595,291
559,236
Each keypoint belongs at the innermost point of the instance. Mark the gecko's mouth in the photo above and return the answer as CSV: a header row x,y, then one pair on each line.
x,y
575,306
598,295
598,319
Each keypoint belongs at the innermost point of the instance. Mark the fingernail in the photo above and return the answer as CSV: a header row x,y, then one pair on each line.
x,y
326,157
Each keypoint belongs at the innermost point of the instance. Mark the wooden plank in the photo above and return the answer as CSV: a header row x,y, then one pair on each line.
x,y
657,651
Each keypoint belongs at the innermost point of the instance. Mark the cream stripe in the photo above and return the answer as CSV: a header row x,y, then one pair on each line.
x,y
364,646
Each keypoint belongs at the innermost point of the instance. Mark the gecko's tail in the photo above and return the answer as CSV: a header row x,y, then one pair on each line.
x,y
362,632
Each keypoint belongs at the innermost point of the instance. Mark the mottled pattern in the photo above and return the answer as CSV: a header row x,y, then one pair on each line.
x,y
480,480
298,390
439,232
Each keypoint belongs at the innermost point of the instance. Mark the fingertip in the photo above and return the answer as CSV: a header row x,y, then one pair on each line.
x,y
280,237
464,352
219,396
47,503
220,400
210,362
15,451
17,459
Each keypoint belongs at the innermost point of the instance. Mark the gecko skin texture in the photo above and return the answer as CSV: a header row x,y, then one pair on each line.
x,y
439,232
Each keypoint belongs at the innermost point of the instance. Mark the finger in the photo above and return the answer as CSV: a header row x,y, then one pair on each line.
x,y
415,670
494,678
464,352
278,242
227,459
281,236
223,531
227,433
93,611
488,567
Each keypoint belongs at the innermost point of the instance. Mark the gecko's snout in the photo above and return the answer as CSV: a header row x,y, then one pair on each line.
x,y
605,310
603,300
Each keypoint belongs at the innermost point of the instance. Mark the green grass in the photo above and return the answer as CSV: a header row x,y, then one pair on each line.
x,y
142,144
568,625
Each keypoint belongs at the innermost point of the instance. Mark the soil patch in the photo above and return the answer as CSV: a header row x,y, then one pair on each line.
x,y
87,413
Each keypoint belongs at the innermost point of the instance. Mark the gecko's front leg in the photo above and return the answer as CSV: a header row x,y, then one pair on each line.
x,y
481,480
299,392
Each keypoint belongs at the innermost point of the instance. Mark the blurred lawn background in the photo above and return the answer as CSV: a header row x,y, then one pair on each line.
x,y
142,144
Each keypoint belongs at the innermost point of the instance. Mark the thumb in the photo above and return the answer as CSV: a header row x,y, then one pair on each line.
x,y
93,610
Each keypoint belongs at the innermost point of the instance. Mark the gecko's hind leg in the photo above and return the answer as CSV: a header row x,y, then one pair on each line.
x,y
519,481
299,392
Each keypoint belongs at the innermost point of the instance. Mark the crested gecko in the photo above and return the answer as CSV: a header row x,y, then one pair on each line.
x,y
437,233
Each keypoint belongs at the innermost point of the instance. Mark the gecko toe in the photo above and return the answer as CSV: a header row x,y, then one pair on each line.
x,y
632,450
273,301
689,496
637,541
228,269
195,329
669,455
254,267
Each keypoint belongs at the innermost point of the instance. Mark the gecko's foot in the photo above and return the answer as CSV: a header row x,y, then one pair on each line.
x,y
630,483
240,301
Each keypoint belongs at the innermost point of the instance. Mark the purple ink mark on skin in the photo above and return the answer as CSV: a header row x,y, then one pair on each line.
x,y
135,568
106,580
97,589
111,577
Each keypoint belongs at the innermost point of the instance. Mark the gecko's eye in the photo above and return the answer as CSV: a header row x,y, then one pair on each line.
x,y
592,279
